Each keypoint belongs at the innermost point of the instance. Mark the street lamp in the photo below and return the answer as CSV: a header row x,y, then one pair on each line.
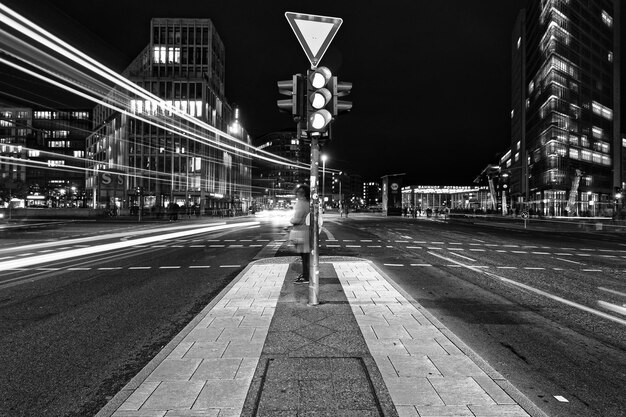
x,y
324,158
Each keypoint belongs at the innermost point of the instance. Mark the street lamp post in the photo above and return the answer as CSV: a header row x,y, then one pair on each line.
x,y
324,158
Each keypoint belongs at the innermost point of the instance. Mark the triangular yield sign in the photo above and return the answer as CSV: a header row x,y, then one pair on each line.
x,y
315,33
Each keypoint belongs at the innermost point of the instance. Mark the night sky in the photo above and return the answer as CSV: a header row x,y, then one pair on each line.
x,y
431,95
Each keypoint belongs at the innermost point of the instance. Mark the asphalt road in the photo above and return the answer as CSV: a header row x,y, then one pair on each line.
x,y
545,309
74,331
542,308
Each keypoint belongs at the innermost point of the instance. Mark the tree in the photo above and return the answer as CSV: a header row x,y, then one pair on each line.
x,y
10,188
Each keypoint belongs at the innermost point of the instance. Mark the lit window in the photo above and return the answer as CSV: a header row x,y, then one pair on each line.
x,y
573,153
160,54
79,154
597,132
624,142
33,153
610,56
519,42
606,160
512,113
54,163
585,155
601,110
607,19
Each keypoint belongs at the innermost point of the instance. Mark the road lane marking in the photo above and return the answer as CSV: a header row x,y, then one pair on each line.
x,y
541,253
563,254
533,267
456,249
511,246
374,246
433,248
230,266
538,291
421,265
613,307
573,262
414,247
519,251
199,266
464,257
235,246
560,398
591,270
333,246
393,264
256,246
401,241
197,246
169,267
217,246
366,240
140,267
477,250
478,240
78,269
437,243
506,267
455,243
500,251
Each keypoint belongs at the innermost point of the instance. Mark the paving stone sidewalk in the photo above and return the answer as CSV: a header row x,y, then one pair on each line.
x,y
366,350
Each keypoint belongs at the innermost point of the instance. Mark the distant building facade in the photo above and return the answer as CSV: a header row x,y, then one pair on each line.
x,y
48,151
372,193
274,184
566,154
135,161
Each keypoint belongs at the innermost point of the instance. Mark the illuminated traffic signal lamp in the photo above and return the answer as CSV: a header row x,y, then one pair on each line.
x,y
319,99
295,89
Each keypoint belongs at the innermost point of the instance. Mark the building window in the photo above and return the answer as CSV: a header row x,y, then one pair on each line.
x,y
519,42
79,154
54,163
573,153
58,144
585,155
160,54
610,56
601,110
607,19
33,153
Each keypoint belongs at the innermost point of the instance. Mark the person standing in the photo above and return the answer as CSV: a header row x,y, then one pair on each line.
x,y
300,232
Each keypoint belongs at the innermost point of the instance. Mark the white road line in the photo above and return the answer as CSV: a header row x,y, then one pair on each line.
x,y
464,257
533,268
573,262
366,240
561,398
406,237
197,246
500,251
567,248
591,270
433,248
506,267
393,264
414,247
235,246
353,246
511,246
563,254
333,246
78,269
491,244
245,240
612,291
374,246
217,246
519,251
583,254
256,246
199,266
478,240
109,269
169,267
541,253
541,292
419,241
477,250
474,244
455,243
177,246
140,267
230,266
421,265
558,269
456,249
262,240
437,243
230,240
401,241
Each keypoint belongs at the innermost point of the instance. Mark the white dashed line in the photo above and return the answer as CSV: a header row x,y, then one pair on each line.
x,y
477,250
533,268
140,267
393,264
612,291
506,267
169,267
199,266
421,265
78,269
591,270
561,398
374,246
217,246
230,266
414,247
109,269
541,253
518,251
197,246
437,243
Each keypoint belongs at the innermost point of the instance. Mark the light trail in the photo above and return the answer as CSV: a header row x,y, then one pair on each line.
x,y
57,45
56,256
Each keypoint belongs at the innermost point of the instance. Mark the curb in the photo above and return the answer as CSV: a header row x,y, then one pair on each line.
x,y
500,380
119,398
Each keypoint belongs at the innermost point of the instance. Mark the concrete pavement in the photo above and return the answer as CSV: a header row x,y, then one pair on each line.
x,y
367,349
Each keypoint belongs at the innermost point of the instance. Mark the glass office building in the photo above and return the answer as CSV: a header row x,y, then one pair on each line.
x,y
139,163
566,153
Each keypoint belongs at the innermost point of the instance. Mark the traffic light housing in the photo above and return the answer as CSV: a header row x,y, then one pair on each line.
x,y
295,89
340,89
319,100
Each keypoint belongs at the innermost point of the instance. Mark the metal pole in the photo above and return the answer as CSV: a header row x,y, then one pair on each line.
x,y
323,180
314,287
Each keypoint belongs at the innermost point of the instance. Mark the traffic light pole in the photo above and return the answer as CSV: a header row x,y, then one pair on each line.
x,y
314,235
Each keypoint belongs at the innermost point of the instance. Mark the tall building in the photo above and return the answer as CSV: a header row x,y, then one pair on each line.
x,y
566,148
136,161
274,184
372,193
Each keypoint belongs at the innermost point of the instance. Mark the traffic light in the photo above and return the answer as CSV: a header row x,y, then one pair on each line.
x,y
295,89
618,193
340,89
319,99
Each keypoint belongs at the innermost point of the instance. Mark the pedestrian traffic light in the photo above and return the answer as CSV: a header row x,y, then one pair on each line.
x,y
319,100
618,193
295,89
340,89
